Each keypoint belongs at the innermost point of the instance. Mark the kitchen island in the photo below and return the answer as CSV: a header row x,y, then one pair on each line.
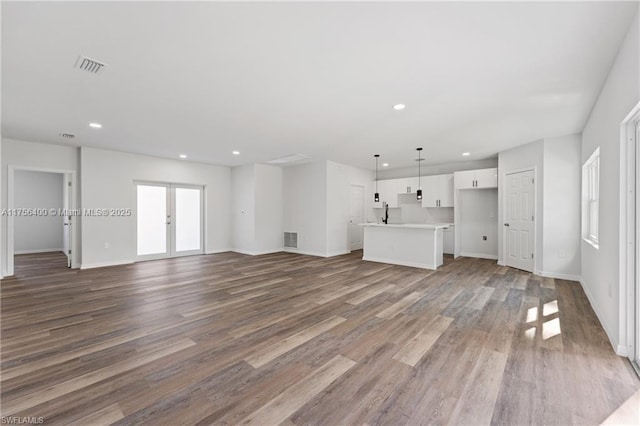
x,y
417,245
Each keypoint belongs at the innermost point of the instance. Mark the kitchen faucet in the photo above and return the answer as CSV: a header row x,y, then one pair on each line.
x,y
385,219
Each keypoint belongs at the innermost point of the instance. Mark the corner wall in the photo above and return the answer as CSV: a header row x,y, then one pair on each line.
x,y
561,225
256,209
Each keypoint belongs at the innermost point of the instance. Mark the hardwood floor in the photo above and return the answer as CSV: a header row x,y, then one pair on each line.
x,y
285,338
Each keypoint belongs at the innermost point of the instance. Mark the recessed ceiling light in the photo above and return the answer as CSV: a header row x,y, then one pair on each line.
x,y
95,125
385,164
466,154
235,152
399,107
183,156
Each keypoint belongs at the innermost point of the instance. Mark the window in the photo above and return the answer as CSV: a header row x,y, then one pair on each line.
x,y
591,198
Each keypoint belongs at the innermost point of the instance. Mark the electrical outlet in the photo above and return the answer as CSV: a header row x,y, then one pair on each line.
x,y
106,245
561,254
484,238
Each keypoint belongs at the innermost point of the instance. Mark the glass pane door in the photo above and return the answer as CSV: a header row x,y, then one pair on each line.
x,y
188,220
153,220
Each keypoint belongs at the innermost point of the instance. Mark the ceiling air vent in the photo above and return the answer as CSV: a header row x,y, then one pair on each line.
x,y
66,136
90,65
291,240
293,158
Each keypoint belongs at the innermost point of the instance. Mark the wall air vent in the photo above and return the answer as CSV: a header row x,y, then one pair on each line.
x,y
67,135
293,158
90,65
291,240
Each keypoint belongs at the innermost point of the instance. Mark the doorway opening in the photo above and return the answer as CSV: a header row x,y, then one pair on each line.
x,y
40,221
169,220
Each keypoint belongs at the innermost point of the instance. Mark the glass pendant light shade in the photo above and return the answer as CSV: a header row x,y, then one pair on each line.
x,y
419,194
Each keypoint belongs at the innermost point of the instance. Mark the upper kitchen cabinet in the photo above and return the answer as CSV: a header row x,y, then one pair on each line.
x,y
483,178
437,191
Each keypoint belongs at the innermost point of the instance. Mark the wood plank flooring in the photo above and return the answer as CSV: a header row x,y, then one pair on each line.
x,y
292,339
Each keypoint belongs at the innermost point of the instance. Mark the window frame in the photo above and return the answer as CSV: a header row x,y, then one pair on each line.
x,y
591,199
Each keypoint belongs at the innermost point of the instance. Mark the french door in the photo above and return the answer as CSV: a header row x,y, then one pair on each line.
x,y
169,220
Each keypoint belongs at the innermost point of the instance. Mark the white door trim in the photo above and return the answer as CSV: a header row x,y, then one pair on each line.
x,y
9,261
629,295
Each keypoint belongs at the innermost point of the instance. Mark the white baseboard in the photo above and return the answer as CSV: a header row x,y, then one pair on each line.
x,y
400,262
105,264
315,253
598,311
480,255
501,263
622,351
38,251
337,253
256,252
216,251
556,275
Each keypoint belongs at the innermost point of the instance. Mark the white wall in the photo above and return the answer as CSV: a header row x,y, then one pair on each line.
x,y
257,209
38,190
561,206
29,155
108,182
340,177
316,205
305,206
268,202
478,211
529,156
620,93
243,208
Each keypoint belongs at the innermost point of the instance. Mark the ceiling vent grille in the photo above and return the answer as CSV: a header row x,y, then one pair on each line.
x,y
293,158
67,135
291,240
90,65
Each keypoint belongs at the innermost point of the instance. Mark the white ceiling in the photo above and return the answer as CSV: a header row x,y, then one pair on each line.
x,y
273,79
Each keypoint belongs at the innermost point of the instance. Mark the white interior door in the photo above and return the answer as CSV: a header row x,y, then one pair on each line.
x,y
169,220
356,216
519,225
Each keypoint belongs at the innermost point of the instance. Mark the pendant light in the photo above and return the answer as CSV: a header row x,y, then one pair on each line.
x,y
419,193
376,196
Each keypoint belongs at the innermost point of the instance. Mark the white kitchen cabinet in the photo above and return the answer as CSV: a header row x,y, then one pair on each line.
x,y
409,185
388,190
470,179
487,178
449,239
437,191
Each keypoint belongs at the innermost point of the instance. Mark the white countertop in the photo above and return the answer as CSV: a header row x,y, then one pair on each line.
x,y
410,225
